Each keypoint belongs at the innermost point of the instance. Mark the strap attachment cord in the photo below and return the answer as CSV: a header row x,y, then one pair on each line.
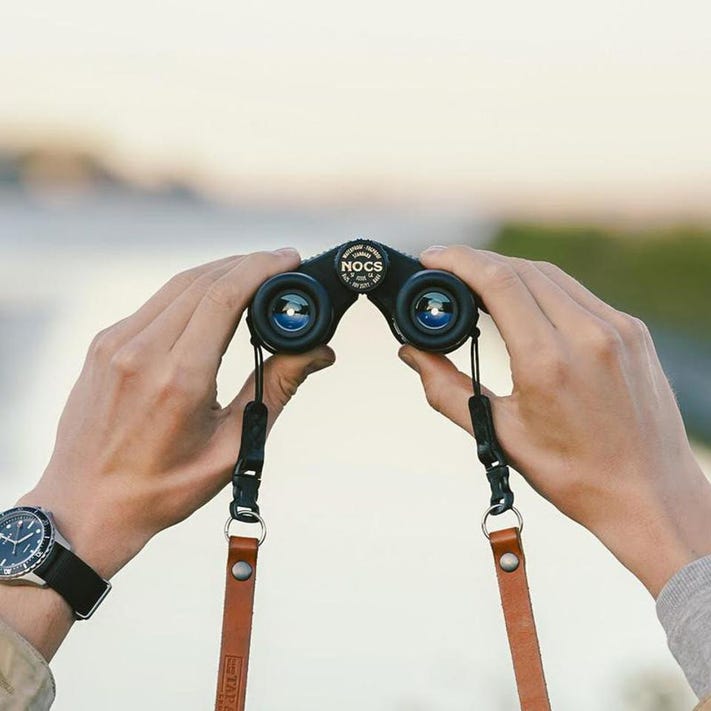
x,y
487,445
247,473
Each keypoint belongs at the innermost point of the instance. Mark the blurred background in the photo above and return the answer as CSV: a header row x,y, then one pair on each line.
x,y
139,139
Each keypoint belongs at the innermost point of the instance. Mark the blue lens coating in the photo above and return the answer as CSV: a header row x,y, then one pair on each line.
x,y
291,313
434,310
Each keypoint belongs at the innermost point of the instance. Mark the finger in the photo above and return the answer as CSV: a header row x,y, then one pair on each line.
x,y
161,334
283,375
446,388
632,331
128,327
519,318
560,308
579,293
215,318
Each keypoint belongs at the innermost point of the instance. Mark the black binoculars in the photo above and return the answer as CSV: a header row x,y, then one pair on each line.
x,y
296,311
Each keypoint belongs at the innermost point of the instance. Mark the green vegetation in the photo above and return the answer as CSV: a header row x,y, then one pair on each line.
x,y
662,276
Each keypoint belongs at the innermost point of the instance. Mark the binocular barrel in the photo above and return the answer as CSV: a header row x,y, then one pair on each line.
x,y
296,311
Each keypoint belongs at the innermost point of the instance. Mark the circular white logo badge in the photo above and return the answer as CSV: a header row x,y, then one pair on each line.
x,y
361,265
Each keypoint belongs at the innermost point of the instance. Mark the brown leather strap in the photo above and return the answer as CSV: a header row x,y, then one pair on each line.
x,y
520,626
237,624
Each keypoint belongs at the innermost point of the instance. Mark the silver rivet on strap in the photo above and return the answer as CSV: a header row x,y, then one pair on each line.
x,y
509,562
241,570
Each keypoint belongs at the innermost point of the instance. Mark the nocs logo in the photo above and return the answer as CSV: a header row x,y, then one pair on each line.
x,y
361,265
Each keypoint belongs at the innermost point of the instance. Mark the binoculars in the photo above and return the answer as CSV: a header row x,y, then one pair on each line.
x,y
296,311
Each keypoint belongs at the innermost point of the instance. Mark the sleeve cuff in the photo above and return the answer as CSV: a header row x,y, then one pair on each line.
x,y
26,681
684,609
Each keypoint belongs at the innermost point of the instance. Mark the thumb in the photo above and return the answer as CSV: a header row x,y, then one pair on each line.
x,y
447,389
283,374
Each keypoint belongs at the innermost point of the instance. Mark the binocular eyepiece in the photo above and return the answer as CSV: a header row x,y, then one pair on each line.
x,y
296,311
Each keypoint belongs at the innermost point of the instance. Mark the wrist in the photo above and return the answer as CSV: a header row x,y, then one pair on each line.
x,y
39,615
665,531
95,537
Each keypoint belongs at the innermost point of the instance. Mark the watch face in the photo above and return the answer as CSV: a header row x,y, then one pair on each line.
x,y
26,536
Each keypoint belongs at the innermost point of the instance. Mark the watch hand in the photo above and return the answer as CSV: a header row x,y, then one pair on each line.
x,y
29,535
14,543
7,538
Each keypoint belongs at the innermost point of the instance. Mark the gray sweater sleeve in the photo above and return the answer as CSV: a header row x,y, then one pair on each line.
x,y
684,609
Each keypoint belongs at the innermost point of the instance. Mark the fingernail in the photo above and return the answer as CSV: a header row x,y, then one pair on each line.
x,y
286,251
434,249
318,364
406,358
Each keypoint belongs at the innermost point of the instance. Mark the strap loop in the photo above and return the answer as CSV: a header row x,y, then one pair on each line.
x,y
249,517
491,511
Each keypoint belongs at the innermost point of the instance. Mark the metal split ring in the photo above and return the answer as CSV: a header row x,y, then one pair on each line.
x,y
491,510
256,518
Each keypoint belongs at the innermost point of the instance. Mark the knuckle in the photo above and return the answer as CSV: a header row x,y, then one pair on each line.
x,y
224,293
183,280
127,361
103,345
435,395
261,255
259,265
524,267
500,275
177,383
284,386
460,251
642,328
547,267
202,276
549,370
632,329
603,342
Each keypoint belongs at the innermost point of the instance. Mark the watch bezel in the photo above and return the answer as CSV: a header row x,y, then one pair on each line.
x,y
39,556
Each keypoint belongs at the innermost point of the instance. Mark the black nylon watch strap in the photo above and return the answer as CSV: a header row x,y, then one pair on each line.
x,y
74,580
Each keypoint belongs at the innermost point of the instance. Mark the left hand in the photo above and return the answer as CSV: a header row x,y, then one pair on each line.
x,y
592,422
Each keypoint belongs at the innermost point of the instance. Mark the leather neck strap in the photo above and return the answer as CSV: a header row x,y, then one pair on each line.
x,y
510,566
237,624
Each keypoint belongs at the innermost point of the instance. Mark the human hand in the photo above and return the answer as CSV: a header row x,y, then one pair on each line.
x,y
592,422
143,442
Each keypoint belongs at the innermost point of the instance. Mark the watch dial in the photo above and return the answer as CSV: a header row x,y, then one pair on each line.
x,y
25,537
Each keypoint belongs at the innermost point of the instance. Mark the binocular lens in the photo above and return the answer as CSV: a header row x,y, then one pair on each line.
x,y
291,312
434,310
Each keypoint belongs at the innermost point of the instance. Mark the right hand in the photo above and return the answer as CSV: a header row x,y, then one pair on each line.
x,y
592,422
143,442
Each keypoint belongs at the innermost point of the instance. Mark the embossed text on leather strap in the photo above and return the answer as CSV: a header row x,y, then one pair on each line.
x,y
237,624
518,614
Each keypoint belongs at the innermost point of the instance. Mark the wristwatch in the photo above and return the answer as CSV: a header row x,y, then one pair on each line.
x,y
34,552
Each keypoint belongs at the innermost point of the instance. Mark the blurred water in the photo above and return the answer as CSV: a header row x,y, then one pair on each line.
x,y
376,589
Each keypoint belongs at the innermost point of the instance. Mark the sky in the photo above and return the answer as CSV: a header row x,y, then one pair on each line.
x,y
554,100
